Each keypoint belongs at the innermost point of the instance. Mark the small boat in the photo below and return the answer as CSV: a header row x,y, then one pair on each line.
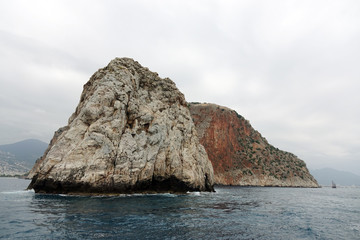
x,y
333,185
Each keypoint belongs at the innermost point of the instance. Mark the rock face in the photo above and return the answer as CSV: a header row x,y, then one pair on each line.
x,y
241,156
131,132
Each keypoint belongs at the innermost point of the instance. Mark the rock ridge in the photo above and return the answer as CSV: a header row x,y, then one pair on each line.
x,y
240,155
131,132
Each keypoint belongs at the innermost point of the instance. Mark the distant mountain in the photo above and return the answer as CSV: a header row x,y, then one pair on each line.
x,y
19,157
326,175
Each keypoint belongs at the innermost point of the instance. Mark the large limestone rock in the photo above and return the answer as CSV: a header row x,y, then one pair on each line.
x,y
131,132
241,156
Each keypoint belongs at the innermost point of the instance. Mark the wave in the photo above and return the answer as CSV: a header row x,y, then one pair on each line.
x,y
18,192
194,193
107,196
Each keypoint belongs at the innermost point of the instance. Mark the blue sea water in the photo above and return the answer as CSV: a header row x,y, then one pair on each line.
x,y
230,213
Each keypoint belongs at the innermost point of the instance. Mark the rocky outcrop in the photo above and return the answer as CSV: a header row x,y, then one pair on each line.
x,y
131,132
241,156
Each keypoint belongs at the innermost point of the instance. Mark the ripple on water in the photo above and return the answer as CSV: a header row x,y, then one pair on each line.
x,y
230,213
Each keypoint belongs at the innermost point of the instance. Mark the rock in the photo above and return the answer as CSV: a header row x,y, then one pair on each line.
x,y
131,132
241,156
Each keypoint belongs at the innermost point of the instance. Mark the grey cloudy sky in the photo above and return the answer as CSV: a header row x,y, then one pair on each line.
x,y
291,67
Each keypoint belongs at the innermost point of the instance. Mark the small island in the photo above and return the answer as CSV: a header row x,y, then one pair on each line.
x,y
132,132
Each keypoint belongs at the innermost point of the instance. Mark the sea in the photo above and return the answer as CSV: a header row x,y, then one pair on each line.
x,y
229,213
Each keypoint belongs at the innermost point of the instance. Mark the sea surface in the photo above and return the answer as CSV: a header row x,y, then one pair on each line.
x,y
230,213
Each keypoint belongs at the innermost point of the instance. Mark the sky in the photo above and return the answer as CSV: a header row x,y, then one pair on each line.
x,y
292,68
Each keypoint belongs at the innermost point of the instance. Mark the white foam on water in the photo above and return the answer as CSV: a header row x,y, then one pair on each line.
x,y
120,195
194,193
18,192
152,194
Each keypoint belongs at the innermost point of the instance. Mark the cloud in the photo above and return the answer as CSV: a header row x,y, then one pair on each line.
x,y
36,79
290,67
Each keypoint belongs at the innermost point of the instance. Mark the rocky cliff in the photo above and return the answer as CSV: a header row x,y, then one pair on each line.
x,y
241,156
131,132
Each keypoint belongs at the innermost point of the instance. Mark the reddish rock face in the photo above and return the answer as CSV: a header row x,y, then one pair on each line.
x,y
240,155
